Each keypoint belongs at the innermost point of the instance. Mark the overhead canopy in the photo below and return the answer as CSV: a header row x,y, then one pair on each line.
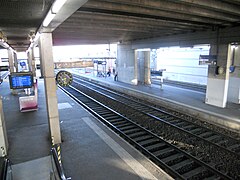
x,y
106,21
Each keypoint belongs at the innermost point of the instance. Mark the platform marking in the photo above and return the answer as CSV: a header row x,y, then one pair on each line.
x,y
64,106
136,166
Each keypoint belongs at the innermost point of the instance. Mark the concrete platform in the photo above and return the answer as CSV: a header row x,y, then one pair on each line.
x,y
185,100
89,149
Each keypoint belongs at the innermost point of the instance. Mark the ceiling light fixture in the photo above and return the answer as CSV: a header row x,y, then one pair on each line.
x,y
57,5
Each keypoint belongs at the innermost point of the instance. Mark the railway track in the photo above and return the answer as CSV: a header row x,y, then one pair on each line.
x,y
176,162
216,149
224,142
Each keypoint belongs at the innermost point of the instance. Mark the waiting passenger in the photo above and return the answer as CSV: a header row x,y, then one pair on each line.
x,y
116,77
109,72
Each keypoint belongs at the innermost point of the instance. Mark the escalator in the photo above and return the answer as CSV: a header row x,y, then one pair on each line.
x,y
55,172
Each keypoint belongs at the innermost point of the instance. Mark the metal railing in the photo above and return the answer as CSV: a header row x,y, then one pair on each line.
x,y
6,169
57,172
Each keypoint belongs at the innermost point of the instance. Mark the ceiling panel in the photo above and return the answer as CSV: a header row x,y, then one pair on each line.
x,y
104,21
20,17
128,20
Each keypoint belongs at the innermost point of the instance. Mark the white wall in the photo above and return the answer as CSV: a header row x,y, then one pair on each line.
x,y
182,64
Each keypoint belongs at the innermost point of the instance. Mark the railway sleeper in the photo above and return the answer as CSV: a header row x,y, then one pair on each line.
x,y
212,138
206,134
174,159
181,124
148,142
190,127
125,128
117,119
122,124
133,131
143,138
119,123
234,147
197,130
113,116
198,173
98,108
221,142
163,116
164,152
105,113
138,134
175,121
170,119
185,166
153,147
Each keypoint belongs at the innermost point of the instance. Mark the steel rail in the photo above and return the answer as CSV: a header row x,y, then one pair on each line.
x,y
156,113
176,162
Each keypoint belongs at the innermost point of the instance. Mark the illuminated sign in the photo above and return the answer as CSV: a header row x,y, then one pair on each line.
x,y
21,80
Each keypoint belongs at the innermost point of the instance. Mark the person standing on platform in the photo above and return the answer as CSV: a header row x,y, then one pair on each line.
x,y
116,76
109,72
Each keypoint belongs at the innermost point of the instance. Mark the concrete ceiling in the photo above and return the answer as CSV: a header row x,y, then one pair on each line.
x,y
20,17
106,21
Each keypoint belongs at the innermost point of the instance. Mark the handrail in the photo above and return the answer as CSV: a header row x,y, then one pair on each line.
x,y
4,173
58,165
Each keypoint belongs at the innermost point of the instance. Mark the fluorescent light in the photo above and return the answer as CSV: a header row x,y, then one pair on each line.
x,y
48,19
57,5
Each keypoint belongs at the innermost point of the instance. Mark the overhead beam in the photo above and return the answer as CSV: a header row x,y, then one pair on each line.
x,y
104,19
190,39
130,19
65,12
204,8
160,9
214,5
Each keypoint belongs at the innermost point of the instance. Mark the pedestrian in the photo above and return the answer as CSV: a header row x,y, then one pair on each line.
x,y
116,76
109,72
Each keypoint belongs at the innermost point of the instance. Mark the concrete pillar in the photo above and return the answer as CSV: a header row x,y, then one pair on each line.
x,y
50,86
15,61
234,79
29,55
153,60
3,133
218,76
143,60
33,62
11,60
126,66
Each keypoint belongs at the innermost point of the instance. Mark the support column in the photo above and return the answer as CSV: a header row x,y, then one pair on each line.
x,y
218,76
153,59
33,62
50,86
126,64
11,60
234,79
147,74
143,58
15,61
3,133
29,54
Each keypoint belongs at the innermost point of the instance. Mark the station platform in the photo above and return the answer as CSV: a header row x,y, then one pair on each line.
x,y
89,149
188,101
